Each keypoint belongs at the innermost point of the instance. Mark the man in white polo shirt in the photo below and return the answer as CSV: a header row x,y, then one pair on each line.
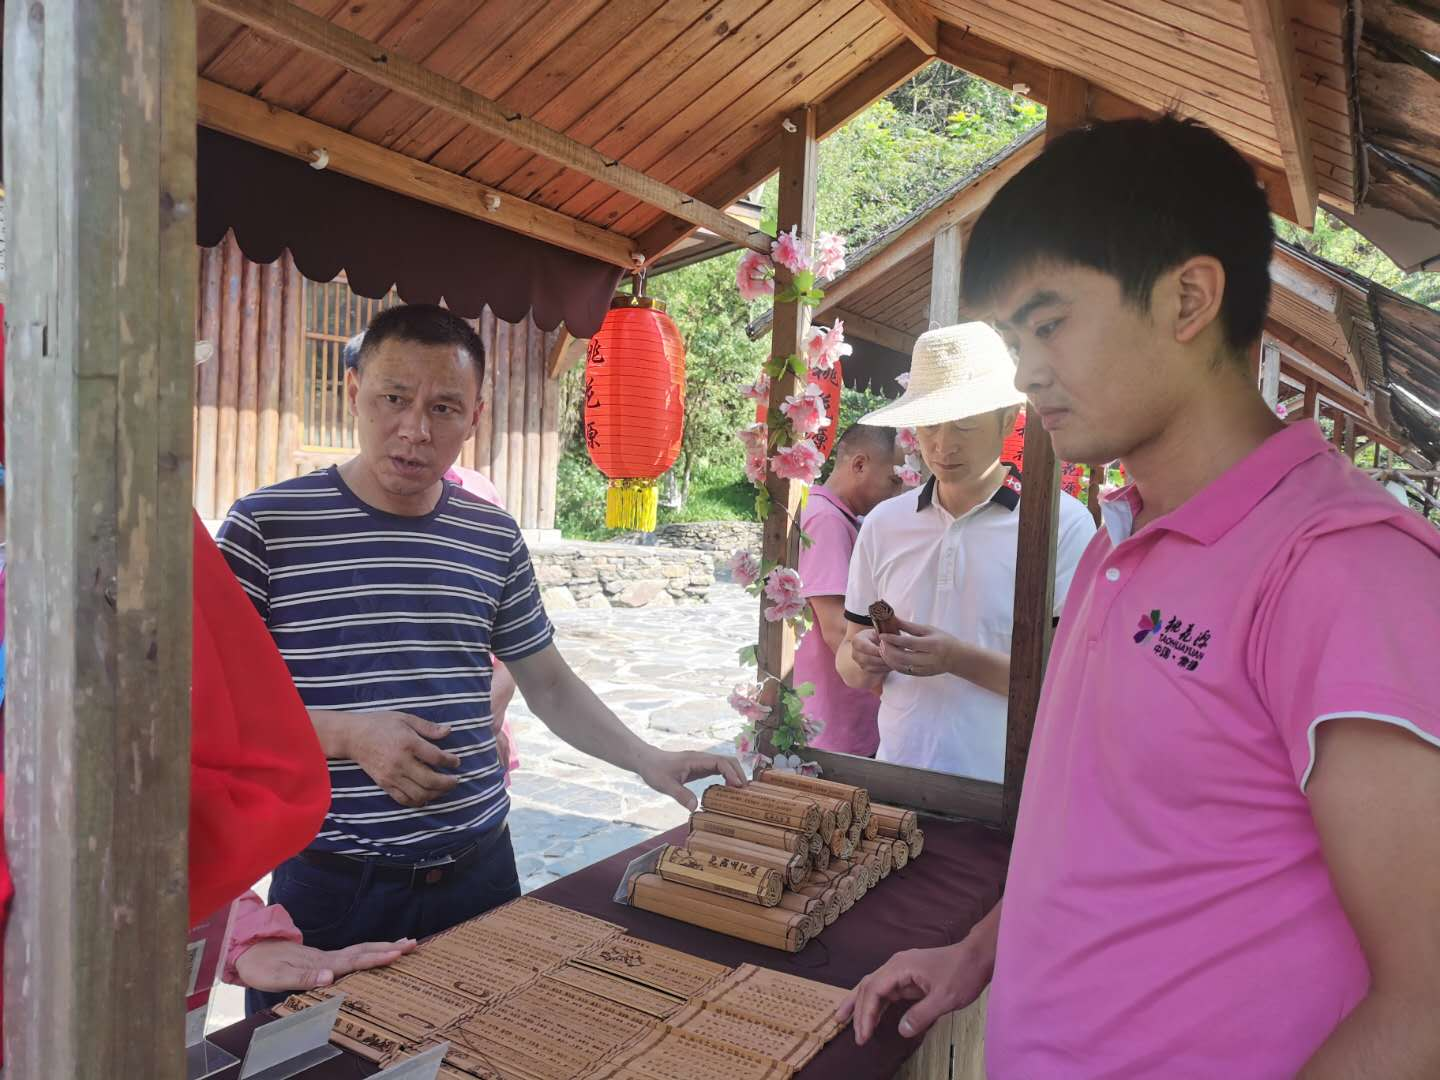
x,y
943,556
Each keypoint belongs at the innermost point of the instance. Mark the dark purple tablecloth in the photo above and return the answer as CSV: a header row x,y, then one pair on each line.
x,y
934,902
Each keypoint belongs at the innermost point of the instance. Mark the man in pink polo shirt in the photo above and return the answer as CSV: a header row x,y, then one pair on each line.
x,y
862,478
1227,861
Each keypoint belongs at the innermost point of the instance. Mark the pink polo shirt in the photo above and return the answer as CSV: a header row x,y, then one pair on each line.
x,y
1168,911
849,715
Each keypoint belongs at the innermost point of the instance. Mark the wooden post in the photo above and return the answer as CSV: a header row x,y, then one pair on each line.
x,y
500,413
487,394
292,382
1312,400
1350,437
227,354
1270,372
208,389
1067,107
534,379
515,432
272,278
246,470
798,168
99,122
945,277
549,451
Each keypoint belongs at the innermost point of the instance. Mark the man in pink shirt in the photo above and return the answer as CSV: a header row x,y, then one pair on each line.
x,y
862,478
1227,861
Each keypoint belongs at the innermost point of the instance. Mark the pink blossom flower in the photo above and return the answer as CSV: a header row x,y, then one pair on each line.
x,y
909,475
1281,411
829,255
904,380
755,466
744,568
746,701
785,609
907,440
783,584
806,410
755,276
824,347
752,438
799,462
789,251
813,727
744,742
759,390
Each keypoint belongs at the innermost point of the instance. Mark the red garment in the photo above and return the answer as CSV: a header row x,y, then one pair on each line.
x,y
259,787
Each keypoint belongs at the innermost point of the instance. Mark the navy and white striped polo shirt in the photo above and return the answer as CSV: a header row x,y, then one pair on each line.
x,y
377,612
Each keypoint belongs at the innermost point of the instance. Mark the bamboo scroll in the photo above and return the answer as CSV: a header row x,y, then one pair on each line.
x,y
722,875
756,806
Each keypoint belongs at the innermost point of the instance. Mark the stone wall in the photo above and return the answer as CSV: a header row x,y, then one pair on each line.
x,y
578,574
722,537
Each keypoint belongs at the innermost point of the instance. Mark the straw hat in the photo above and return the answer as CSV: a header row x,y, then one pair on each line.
x,y
955,372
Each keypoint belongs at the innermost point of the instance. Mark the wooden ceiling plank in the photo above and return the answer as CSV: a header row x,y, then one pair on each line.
x,y
846,46
1167,38
295,26
1008,68
491,53
249,118
1157,92
583,68
1228,12
711,77
213,35
877,333
1270,29
897,65
353,96
606,123
855,54
300,80
1108,45
250,58
767,50
1197,26
914,19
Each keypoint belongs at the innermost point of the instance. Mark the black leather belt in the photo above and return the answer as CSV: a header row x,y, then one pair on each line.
x,y
434,871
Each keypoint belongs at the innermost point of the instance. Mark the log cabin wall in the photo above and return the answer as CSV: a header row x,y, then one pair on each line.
x,y
270,399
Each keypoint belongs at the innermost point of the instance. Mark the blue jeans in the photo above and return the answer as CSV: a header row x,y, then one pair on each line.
x,y
335,908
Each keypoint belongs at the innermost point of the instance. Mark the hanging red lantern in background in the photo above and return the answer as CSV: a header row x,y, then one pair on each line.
x,y
830,383
1013,451
634,406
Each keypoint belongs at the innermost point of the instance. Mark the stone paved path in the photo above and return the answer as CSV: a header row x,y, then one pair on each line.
x,y
665,672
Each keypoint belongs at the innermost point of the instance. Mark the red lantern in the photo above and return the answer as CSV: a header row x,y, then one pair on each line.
x,y
1013,451
830,383
634,406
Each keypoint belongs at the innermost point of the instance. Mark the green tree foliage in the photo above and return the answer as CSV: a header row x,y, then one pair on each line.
x,y
1337,242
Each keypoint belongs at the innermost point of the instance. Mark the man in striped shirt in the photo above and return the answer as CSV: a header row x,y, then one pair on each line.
x,y
387,589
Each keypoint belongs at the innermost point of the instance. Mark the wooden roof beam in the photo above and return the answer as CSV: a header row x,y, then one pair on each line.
x,y
245,117
967,50
914,19
874,331
753,168
1275,50
295,26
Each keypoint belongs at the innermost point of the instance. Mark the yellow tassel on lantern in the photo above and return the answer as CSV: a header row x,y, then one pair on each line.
x,y
632,504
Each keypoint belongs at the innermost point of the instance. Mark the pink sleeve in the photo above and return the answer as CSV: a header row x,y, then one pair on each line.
x,y
825,564
254,922
1352,632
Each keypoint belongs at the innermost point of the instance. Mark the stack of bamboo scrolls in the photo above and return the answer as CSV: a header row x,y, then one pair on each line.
x,y
777,861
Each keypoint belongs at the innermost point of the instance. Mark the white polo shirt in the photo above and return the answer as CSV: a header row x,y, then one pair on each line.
x,y
957,574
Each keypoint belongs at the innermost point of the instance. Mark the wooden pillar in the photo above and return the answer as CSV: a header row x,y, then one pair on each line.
x,y
272,319
798,169
1270,372
227,355
207,392
515,431
99,122
292,357
534,380
1350,437
945,277
549,449
487,394
247,469
1067,107
500,413
1312,400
